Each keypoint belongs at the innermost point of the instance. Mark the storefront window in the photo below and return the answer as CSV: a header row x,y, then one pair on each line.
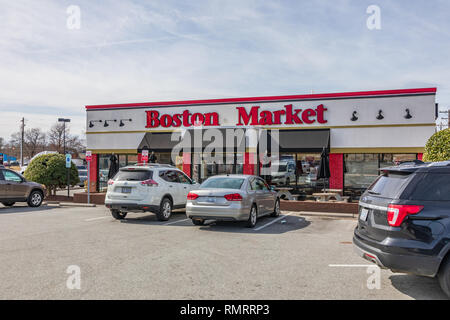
x,y
122,160
392,159
132,159
164,158
307,166
296,171
103,169
226,163
239,163
360,170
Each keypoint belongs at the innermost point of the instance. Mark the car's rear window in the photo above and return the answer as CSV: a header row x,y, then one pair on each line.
x,y
429,187
223,183
389,184
133,175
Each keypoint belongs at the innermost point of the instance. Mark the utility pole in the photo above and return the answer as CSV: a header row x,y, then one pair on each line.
x,y
67,169
22,130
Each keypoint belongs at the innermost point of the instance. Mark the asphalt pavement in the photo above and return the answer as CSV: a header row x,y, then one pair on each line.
x,y
289,257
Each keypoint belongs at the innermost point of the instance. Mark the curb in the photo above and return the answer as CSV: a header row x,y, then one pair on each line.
x,y
71,204
324,214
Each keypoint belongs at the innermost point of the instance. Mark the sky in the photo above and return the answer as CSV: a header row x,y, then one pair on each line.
x,y
142,51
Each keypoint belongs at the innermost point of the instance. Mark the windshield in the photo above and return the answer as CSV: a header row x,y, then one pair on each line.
x,y
223,183
133,175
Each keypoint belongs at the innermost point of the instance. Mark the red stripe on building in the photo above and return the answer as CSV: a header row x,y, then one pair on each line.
x,y
269,98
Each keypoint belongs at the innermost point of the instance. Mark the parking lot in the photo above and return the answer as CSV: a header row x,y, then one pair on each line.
x,y
289,257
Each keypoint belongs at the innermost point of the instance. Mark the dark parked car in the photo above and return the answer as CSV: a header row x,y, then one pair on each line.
x,y
15,188
404,220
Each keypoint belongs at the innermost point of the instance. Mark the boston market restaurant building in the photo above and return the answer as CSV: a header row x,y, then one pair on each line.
x,y
362,131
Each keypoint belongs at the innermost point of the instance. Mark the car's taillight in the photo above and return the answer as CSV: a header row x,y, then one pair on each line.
x,y
233,197
149,183
396,213
192,196
110,182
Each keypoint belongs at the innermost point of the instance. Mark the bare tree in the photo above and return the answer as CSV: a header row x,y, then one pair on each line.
x,y
34,141
56,137
14,145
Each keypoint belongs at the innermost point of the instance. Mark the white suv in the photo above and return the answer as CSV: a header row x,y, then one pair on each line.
x,y
155,188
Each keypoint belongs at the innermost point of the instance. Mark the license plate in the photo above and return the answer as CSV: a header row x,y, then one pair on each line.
x,y
364,213
126,189
209,199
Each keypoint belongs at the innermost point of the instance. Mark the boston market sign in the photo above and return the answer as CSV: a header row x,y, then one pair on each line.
x,y
254,117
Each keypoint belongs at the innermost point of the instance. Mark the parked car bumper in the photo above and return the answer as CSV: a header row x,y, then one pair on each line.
x,y
233,212
424,265
132,207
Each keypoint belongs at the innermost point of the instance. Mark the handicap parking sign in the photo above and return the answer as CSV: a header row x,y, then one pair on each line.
x,y
68,160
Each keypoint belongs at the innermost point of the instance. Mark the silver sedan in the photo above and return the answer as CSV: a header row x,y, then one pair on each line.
x,y
232,198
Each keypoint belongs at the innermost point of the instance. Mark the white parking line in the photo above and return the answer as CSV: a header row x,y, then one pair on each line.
x,y
172,222
272,222
98,218
352,265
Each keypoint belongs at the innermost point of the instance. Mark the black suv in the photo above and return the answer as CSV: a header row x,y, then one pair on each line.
x,y
404,220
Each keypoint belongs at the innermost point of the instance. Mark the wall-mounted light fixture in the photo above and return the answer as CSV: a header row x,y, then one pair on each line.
x,y
408,114
380,115
121,124
107,124
91,124
354,117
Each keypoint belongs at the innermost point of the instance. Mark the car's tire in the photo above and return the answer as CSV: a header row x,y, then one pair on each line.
x,y
119,215
444,276
276,210
165,210
35,198
8,204
198,222
252,217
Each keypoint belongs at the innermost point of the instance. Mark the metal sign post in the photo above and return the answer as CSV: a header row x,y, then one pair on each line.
x,y
68,166
88,159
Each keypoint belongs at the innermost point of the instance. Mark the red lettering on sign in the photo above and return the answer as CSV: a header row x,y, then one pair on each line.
x,y
307,114
320,111
246,117
152,119
185,118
